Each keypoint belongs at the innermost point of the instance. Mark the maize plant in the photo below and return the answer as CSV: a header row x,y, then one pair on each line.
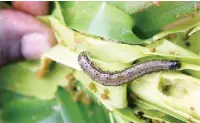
x,y
119,37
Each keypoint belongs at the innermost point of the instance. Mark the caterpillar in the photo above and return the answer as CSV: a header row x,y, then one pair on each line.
x,y
121,77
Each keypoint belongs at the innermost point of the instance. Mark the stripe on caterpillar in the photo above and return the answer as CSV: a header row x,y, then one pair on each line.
x,y
121,77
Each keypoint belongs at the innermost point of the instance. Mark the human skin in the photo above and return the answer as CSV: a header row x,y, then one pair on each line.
x,y
36,8
22,36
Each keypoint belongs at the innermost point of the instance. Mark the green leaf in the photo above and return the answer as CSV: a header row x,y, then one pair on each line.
x,y
57,13
117,118
19,109
128,114
174,52
63,34
105,58
191,43
78,112
131,7
151,113
153,19
15,108
167,90
188,25
21,78
101,19
70,110
157,113
117,94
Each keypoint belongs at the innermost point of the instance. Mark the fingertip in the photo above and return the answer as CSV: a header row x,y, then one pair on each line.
x,y
34,44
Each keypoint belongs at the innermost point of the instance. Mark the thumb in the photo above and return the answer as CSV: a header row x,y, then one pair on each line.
x,y
22,36
33,45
